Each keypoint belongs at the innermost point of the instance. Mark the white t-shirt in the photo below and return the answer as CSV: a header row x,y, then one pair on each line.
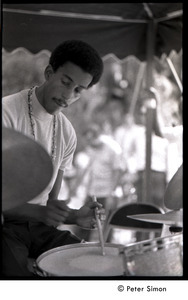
x,y
15,116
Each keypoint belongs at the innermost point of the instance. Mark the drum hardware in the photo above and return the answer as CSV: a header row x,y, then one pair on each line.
x,y
82,241
122,254
39,272
174,229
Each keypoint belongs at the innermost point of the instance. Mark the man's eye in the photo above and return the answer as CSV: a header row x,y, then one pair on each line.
x,y
78,90
66,83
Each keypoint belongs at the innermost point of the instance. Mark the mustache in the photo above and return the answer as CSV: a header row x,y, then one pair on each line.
x,y
61,102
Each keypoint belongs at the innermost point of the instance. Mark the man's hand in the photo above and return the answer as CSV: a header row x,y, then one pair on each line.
x,y
85,216
57,212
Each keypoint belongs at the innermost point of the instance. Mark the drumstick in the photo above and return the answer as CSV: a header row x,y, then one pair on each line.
x,y
101,238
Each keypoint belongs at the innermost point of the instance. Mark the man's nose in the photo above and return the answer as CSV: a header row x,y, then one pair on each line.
x,y
68,94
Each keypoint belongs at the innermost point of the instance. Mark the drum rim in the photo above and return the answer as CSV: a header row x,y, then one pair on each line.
x,y
154,245
169,238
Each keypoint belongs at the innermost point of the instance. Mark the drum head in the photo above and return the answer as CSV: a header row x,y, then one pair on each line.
x,y
82,260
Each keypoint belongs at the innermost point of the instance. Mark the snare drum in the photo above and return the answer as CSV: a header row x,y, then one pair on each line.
x,y
157,257
84,259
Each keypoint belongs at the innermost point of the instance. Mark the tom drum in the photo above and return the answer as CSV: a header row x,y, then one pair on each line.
x,y
157,257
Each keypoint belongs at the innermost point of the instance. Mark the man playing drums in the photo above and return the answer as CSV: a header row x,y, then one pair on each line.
x,y
30,229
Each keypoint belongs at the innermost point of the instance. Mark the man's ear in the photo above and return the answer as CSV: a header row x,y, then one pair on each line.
x,y
48,72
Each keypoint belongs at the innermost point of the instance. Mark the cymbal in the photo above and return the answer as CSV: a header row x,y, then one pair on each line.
x,y
173,198
170,218
26,169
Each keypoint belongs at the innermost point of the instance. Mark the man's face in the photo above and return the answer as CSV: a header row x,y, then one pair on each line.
x,y
64,86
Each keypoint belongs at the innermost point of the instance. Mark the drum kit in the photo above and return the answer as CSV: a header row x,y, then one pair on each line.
x,y
162,256
157,257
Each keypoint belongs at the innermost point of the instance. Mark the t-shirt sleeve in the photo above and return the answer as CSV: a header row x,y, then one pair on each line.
x,y
12,108
6,115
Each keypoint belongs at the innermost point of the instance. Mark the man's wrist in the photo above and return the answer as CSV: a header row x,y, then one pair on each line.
x,y
73,215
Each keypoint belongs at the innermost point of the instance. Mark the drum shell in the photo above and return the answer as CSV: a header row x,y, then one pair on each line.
x,y
157,257
57,262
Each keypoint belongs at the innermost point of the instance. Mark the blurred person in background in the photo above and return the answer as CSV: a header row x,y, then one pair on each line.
x,y
100,167
30,229
174,135
132,138
125,137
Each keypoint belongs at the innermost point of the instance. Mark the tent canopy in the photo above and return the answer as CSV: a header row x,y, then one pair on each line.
x,y
118,28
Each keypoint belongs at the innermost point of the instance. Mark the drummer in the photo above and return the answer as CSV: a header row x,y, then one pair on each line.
x,y
30,229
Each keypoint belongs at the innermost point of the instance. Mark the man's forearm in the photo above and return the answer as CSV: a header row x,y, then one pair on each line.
x,y
53,195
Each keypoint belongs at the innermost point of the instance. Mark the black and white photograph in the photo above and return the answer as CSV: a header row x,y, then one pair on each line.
x,y
92,148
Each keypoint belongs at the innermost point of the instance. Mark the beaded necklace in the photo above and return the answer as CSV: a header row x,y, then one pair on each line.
x,y
30,112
